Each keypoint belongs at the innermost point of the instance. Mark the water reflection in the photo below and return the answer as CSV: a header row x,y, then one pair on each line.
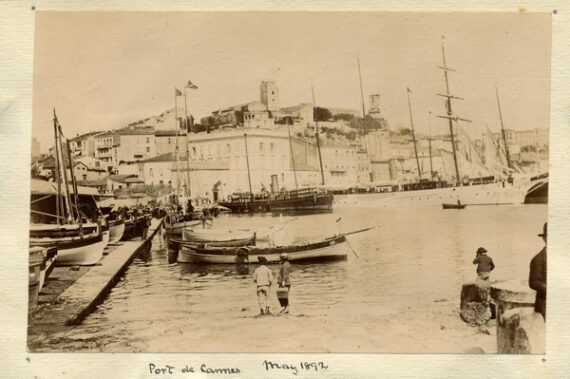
x,y
223,269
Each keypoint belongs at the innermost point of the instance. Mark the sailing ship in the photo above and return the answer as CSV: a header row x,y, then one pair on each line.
x,y
183,216
497,187
78,242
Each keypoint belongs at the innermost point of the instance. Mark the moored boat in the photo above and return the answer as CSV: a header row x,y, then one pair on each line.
x,y
78,249
453,206
230,237
116,230
328,249
62,222
294,200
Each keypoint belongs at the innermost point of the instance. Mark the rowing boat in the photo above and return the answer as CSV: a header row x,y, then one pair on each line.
x,y
328,249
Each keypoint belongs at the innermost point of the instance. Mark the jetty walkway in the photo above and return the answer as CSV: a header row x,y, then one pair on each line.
x,y
73,292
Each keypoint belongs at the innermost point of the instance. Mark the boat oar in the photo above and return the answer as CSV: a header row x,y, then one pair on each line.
x,y
361,230
352,248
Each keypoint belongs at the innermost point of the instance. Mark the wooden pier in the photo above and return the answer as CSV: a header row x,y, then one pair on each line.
x,y
74,292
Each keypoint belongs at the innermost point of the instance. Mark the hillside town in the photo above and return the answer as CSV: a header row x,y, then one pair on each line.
x,y
359,151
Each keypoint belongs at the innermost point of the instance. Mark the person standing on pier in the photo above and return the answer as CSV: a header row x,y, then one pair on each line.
x,y
537,276
263,278
484,265
284,281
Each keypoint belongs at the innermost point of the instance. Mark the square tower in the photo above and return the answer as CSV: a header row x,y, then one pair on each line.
x,y
269,95
374,104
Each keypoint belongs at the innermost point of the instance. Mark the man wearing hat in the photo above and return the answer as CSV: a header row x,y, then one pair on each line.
x,y
284,281
537,276
484,265
263,278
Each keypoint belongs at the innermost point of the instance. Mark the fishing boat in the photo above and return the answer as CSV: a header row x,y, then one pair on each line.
x,y
217,237
453,206
328,249
75,247
116,230
233,236
78,242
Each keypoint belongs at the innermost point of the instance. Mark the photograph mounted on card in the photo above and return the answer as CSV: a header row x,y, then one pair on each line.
x,y
284,181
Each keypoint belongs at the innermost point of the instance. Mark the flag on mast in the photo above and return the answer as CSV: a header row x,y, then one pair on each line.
x,y
191,85
177,92
409,90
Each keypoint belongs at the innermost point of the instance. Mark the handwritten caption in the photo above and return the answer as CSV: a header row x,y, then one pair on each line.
x,y
293,368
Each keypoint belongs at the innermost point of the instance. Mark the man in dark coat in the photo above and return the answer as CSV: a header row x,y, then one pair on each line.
x,y
537,276
484,265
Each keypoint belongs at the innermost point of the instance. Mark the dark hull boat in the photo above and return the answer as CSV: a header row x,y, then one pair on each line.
x,y
537,193
295,200
453,206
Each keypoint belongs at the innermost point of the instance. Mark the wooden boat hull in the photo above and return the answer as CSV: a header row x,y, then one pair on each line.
x,y
233,237
453,206
537,194
84,251
330,249
175,230
116,232
39,231
319,201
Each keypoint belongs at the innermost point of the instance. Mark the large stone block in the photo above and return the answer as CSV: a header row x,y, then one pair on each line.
x,y
522,331
475,303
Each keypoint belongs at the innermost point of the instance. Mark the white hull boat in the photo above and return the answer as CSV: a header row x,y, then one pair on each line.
x,y
329,249
200,235
116,232
73,249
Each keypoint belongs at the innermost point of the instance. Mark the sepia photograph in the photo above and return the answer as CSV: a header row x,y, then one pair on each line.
x,y
289,182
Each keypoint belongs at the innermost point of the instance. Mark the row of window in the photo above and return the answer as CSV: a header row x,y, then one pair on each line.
x,y
209,149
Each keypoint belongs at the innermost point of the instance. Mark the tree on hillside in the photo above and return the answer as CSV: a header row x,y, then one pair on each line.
x,y
368,124
343,116
321,114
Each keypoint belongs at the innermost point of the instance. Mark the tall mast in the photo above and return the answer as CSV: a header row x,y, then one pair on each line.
x,y
429,143
187,145
361,91
176,92
64,170
509,165
362,131
247,162
75,194
449,112
292,156
317,135
58,204
408,91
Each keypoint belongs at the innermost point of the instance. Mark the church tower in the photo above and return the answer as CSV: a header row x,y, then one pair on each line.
x,y
269,95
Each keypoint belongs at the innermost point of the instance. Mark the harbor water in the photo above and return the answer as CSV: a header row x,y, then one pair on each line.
x,y
397,292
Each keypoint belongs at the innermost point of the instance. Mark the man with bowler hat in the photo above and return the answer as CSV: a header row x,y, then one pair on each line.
x,y
537,276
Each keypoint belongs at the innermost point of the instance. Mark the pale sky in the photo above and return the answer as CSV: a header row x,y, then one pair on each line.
x,y
103,70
